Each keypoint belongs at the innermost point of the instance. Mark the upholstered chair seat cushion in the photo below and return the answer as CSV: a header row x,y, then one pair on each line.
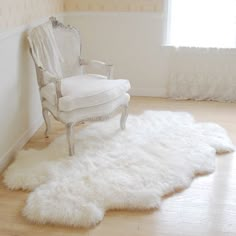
x,y
85,91
104,110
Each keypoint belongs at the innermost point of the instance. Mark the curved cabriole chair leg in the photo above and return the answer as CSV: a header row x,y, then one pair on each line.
x,y
70,138
123,118
47,122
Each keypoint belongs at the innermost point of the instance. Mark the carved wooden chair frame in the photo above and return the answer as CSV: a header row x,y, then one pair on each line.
x,y
41,73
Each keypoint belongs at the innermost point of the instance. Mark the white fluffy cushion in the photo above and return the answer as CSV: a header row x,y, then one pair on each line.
x,y
85,91
105,109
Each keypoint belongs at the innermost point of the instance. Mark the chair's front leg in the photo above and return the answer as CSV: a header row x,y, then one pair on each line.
x,y
70,138
110,71
124,117
47,122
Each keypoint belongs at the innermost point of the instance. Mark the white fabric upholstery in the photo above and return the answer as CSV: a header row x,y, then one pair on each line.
x,y
89,112
85,91
68,42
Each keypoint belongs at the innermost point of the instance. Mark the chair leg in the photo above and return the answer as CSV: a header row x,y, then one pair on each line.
x,y
70,138
47,122
124,117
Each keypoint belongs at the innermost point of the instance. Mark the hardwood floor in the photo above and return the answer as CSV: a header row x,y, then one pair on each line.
x,y
208,207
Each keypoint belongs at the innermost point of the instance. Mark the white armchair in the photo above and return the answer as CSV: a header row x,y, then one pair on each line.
x,y
67,91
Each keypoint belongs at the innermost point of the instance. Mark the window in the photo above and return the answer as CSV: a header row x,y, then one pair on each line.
x,y
202,23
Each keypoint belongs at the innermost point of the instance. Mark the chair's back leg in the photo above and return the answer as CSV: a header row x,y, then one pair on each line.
x,y
47,122
123,118
70,138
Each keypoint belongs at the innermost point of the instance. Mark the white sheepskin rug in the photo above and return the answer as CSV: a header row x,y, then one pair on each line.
x,y
158,153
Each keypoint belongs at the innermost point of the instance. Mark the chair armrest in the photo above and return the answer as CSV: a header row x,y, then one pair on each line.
x,y
51,79
98,64
42,73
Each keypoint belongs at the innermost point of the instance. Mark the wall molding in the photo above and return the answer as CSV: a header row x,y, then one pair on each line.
x,y
109,13
19,144
114,5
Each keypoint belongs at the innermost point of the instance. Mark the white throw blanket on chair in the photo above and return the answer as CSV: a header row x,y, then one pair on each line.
x,y
45,50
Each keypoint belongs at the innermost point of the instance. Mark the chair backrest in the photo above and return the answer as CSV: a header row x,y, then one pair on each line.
x,y
68,42
56,48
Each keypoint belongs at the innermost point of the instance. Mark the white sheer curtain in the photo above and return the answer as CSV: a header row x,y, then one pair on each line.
x,y
202,74
202,62
202,23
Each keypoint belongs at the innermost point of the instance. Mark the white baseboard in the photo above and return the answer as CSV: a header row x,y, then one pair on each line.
x,y
8,156
148,92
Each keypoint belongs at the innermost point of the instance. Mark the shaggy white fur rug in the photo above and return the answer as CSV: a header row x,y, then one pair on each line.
x,y
158,153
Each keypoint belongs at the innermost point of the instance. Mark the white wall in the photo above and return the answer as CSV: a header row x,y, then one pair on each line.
x,y
20,107
131,41
19,97
20,104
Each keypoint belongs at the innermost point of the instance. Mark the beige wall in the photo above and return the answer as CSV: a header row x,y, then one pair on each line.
x,y
19,12
14,13
114,5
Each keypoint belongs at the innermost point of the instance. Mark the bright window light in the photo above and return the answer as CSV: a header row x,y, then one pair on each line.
x,y
202,23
